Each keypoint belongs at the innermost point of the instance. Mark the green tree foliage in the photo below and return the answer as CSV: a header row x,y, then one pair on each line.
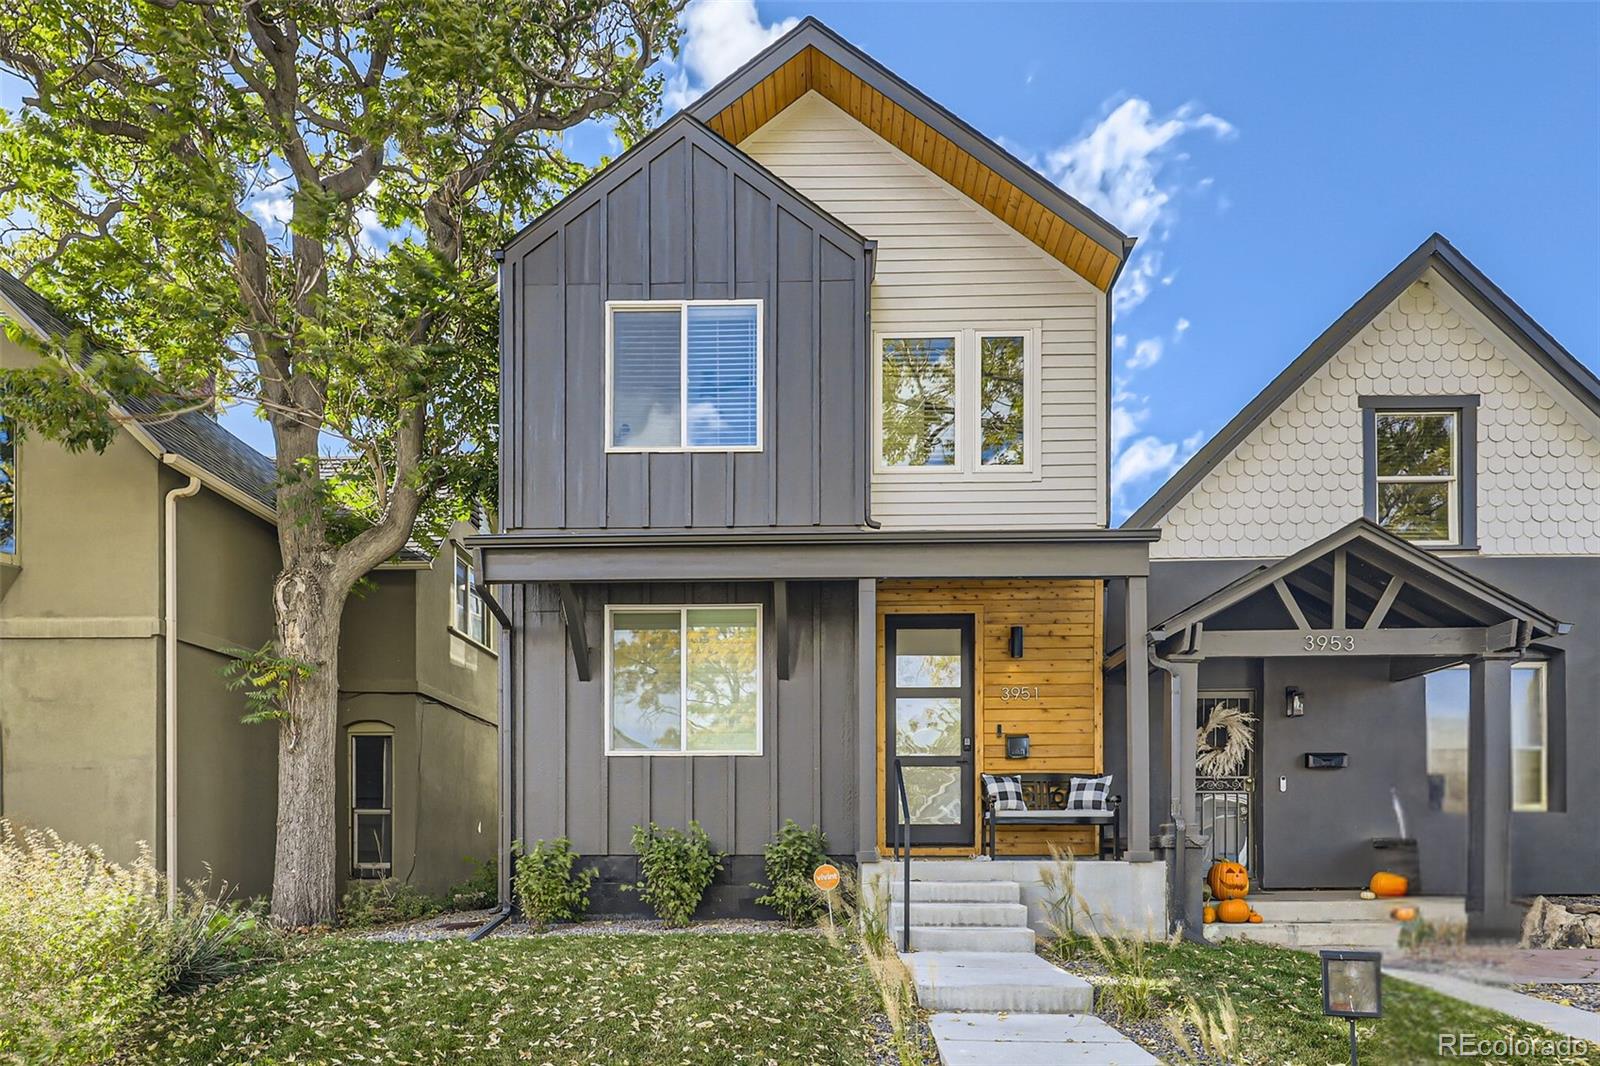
x,y
293,204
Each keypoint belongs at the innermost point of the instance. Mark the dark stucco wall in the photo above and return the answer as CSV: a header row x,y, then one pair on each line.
x,y
1317,832
807,769
684,216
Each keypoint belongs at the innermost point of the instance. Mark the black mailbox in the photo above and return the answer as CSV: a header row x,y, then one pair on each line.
x,y
1327,760
1016,745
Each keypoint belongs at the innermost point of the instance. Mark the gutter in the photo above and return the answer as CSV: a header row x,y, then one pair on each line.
x,y
169,625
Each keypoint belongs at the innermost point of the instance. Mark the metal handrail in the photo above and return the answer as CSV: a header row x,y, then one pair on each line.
x,y
903,830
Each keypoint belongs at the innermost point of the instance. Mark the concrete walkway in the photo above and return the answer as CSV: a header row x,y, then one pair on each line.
x,y
1033,1040
1583,1024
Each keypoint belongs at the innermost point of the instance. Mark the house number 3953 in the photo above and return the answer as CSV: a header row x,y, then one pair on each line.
x,y
1019,692
1330,642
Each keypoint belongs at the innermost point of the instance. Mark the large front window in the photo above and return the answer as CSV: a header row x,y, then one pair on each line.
x,y
1448,706
957,402
1418,474
683,680
683,375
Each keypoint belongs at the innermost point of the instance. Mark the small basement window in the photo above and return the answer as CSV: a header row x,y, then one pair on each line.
x,y
683,680
683,375
371,801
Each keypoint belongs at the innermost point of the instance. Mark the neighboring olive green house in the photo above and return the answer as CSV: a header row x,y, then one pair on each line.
x,y
89,679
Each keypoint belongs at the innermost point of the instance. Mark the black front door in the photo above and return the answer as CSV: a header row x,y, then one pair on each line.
x,y
928,706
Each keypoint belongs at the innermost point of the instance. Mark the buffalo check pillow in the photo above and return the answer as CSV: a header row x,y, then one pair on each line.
x,y
1088,793
1005,793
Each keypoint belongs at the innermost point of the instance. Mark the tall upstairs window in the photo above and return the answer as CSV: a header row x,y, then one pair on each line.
x,y
8,491
371,800
683,375
958,402
1420,466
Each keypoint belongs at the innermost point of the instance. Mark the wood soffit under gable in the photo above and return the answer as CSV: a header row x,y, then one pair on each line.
x,y
810,69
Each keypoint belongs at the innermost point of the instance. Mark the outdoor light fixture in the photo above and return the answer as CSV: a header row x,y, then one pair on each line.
x,y
1294,702
1016,642
1352,987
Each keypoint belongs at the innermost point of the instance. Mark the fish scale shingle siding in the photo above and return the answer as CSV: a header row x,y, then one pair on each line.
x,y
1298,475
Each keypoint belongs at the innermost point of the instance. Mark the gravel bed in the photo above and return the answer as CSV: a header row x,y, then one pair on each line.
x,y
463,923
1584,997
1151,1034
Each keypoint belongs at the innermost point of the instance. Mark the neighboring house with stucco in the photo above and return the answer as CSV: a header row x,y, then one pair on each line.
x,y
128,577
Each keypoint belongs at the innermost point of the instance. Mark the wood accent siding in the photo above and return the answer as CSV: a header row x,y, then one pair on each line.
x,y
1063,638
812,71
944,263
684,217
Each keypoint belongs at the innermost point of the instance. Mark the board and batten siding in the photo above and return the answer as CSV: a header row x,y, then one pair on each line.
x,y
945,262
806,771
684,216
1298,475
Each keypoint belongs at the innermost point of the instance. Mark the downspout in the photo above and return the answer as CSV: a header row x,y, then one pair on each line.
x,y
508,793
169,625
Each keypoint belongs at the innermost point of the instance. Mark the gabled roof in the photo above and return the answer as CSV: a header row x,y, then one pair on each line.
x,y
1436,580
679,126
193,435
1436,254
813,57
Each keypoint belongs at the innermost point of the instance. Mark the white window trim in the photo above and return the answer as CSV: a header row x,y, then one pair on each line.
x,y
683,445
1544,741
16,499
474,601
1452,480
683,610
969,465
370,729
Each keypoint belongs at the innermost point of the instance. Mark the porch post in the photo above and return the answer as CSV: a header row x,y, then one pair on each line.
x,y
1489,908
867,720
1185,877
1136,789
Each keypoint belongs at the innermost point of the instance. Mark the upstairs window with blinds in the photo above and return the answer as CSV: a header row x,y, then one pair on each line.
x,y
684,375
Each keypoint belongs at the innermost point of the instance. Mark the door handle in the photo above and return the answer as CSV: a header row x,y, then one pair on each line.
x,y
966,743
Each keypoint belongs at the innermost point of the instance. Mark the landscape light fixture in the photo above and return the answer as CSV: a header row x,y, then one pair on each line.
x,y
1352,987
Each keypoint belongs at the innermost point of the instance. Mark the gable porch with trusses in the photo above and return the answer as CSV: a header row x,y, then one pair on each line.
x,y
1383,608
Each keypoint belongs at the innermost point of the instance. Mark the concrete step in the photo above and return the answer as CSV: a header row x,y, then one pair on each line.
x,y
959,891
991,938
996,981
1033,1040
1288,908
1382,933
961,913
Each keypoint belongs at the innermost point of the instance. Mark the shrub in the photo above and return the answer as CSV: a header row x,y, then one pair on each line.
x,y
81,955
385,902
790,860
546,888
479,890
211,938
1137,990
676,869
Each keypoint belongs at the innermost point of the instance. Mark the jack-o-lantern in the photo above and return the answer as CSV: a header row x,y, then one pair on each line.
x,y
1233,911
1228,880
1386,884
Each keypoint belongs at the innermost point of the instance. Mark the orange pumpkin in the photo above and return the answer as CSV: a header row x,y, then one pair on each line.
x,y
1228,880
1233,911
1385,884
1210,915
1255,919
1403,914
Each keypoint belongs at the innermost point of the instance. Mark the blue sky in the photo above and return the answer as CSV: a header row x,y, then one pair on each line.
x,y
1275,161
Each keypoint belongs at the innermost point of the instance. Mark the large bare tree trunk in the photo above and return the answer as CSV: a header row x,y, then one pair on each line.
x,y
308,605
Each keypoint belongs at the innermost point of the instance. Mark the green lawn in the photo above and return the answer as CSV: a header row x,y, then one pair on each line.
x,y
1278,994
693,998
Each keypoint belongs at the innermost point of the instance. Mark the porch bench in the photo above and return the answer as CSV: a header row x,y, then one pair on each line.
x,y
1109,815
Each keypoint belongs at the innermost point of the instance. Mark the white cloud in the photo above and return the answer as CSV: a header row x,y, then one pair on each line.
x,y
718,37
1120,340
1140,461
273,208
1179,328
1146,353
1122,168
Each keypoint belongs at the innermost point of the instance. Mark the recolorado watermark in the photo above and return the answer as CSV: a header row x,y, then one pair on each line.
x,y
1478,1046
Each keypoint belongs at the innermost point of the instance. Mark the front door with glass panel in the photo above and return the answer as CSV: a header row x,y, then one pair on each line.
x,y
928,705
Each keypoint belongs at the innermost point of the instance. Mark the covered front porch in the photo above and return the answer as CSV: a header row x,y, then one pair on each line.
x,y
1324,651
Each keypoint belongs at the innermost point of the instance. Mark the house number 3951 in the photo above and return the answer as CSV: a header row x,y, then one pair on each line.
x,y
1330,642
1019,692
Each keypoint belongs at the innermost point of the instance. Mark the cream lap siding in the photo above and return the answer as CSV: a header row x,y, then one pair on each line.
x,y
944,262
1297,476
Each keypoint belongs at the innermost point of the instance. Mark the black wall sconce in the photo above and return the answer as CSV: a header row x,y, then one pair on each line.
x,y
1294,702
1016,642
